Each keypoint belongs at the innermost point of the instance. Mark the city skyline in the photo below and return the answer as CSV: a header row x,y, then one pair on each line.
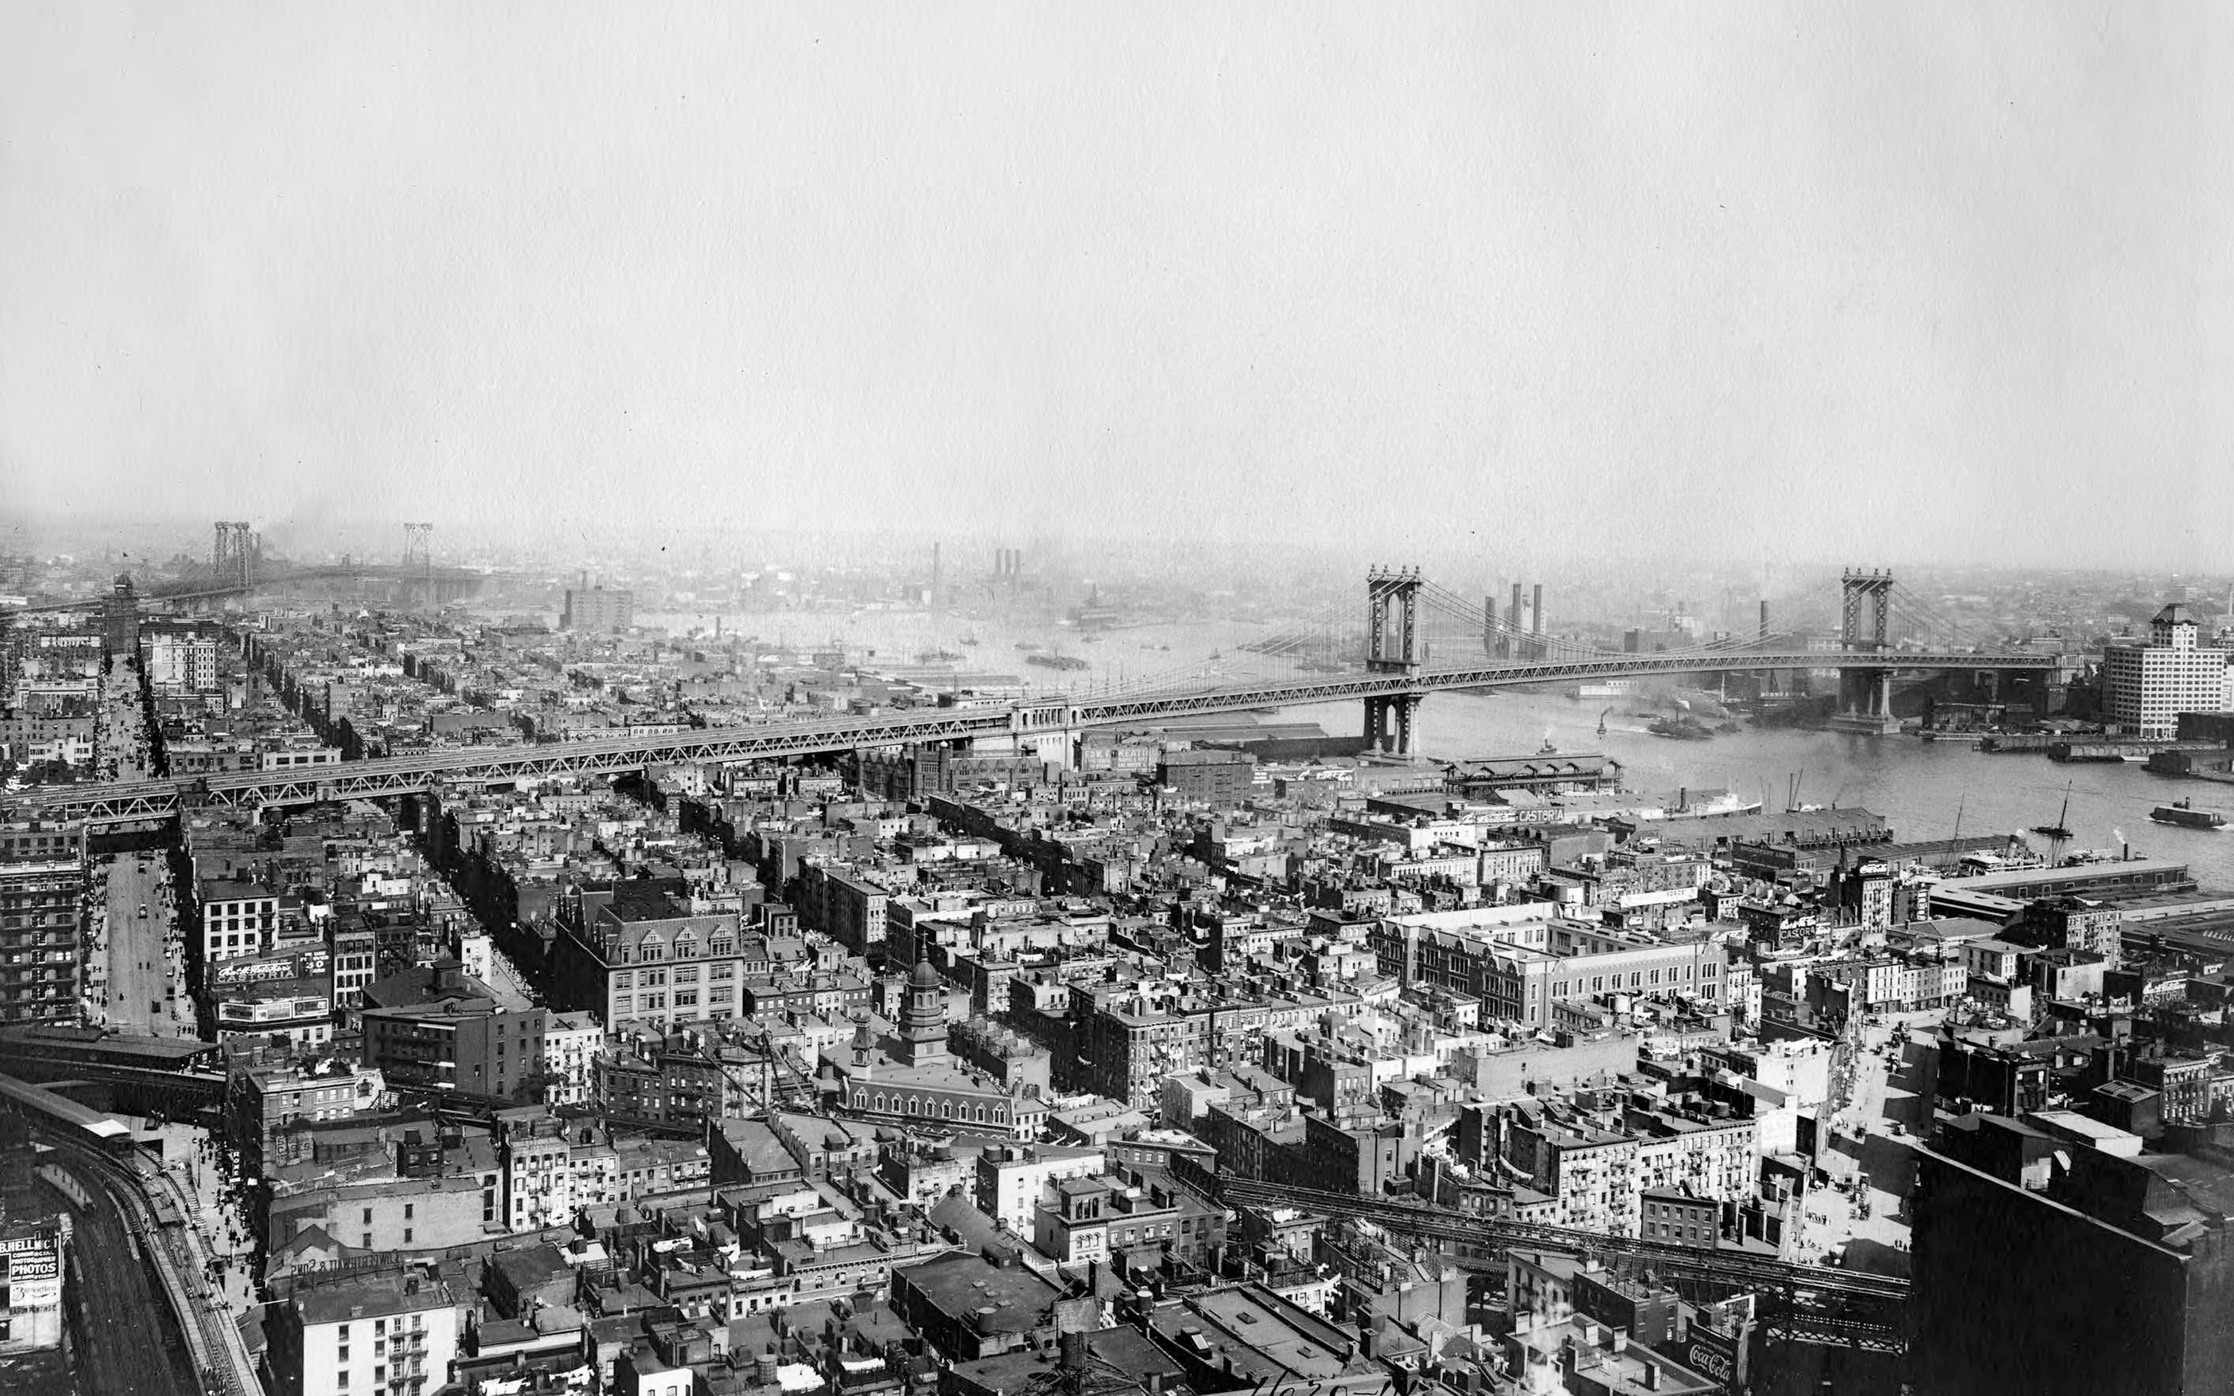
x,y
1908,284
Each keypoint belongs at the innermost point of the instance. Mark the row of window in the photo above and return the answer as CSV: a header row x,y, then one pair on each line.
x,y
653,948
911,1105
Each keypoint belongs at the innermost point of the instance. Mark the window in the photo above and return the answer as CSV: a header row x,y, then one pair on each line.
x,y
368,1216
407,1217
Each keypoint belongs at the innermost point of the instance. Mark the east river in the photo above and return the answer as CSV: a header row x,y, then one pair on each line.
x,y
1918,786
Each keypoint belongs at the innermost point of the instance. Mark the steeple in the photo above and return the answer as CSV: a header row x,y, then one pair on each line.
x,y
923,1021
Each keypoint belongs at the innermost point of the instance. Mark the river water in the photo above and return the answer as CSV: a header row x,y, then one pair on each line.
x,y
1919,787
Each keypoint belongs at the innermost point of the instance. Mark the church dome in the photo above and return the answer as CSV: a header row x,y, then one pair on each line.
x,y
924,977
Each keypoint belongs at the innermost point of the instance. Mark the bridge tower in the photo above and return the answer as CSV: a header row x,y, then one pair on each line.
x,y
418,556
1392,646
1867,598
233,557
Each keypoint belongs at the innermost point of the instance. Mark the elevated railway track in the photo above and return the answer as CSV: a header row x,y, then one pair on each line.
x,y
120,802
1807,1303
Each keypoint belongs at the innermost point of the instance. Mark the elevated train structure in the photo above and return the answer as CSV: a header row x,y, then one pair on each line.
x,y
64,1117
1797,1303
1397,669
173,1077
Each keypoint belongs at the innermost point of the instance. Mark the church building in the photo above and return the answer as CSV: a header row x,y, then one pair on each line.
x,y
916,1079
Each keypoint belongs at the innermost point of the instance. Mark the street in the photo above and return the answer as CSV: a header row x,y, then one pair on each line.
x,y
1861,1216
142,950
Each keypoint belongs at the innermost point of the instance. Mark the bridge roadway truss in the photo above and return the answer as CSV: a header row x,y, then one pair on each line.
x,y
1806,1303
402,775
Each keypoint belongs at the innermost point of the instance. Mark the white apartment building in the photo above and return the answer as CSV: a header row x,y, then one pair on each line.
x,y
179,661
538,1182
238,918
2145,688
572,1043
384,1333
1012,1181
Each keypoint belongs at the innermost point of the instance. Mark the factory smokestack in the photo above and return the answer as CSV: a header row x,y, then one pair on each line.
x,y
1764,619
1512,617
1536,611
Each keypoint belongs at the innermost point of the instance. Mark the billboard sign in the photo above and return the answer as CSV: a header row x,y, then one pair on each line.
x,y
304,964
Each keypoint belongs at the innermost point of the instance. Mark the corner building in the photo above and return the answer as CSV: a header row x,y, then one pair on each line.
x,y
642,959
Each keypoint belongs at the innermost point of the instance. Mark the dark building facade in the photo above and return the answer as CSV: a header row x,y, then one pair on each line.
x,y
2020,1295
39,932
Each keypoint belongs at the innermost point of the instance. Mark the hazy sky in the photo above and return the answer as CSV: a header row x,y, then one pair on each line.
x,y
1870,282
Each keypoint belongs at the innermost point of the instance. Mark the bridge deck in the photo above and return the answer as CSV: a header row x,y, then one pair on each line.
x,y
399,775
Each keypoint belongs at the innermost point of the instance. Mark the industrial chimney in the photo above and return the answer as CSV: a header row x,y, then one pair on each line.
x,y
1536,612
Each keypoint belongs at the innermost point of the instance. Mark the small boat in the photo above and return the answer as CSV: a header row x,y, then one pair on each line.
x,y
1547,749
1602,722
2057,830
2187,816
969,639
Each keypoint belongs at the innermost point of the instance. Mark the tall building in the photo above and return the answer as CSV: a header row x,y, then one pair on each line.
x,y
2145,688
2044,1266
179,657
40,929
120,620
598,610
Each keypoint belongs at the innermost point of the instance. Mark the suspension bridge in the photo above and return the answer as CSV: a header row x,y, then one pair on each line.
x,y
1409,639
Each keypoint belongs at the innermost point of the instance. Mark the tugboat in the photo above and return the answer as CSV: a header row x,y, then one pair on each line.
x,y
1547,749
2057,829
1683,727
2187,816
